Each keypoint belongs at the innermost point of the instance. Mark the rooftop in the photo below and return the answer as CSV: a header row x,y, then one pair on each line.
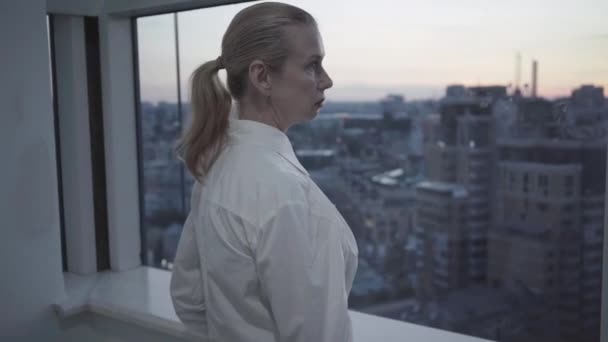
x,y
456,190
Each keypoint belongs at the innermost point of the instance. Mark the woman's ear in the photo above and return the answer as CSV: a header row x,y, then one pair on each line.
x,y
259,76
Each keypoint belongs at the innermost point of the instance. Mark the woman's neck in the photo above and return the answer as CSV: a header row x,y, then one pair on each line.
x,y
266,116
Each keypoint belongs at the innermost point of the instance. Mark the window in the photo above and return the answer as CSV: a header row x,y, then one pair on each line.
x,y
543,181
160,123
524,146
543,184
569,185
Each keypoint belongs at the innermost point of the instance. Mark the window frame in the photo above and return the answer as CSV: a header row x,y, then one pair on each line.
x,y
120,97
77,152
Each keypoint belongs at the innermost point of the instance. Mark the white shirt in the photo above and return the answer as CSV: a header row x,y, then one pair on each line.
x,y
264,255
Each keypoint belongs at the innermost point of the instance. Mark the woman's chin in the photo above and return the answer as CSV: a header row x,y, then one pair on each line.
x,y
315,113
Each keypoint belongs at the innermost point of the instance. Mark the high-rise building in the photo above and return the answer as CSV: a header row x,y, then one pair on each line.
x,y
587,107
547,234
531,223
463,153
588,96
441,231
394,113
393,104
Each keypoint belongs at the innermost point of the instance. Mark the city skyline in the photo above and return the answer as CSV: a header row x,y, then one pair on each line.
x,y
439,43
482,213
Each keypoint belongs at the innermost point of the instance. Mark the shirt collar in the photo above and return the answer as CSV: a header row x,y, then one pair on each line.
x,y
254,133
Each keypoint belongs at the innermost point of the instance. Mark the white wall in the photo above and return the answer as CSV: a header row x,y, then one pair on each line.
x,y
122,188
148,7
75,7
128,8
30,248
30,253
95,328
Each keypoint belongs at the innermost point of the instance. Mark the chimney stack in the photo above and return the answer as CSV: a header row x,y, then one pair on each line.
x,y
534,78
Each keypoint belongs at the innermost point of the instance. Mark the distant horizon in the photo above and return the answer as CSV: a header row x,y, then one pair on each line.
x,y
374,93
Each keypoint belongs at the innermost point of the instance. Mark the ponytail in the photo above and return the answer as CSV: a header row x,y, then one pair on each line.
x,y
201,143
256,32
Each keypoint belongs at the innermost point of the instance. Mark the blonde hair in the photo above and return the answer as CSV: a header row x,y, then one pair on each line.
x,y
256,32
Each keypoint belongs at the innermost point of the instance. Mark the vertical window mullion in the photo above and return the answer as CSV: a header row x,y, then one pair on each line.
x,y
139,137
180,117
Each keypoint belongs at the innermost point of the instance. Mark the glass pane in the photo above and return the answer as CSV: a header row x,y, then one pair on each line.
x,y
425,117
200,38
465,145
164,211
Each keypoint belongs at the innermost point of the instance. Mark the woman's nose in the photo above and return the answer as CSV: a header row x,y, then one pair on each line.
x,y
326,81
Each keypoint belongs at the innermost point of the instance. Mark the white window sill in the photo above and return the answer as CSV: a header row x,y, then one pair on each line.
x,y
141,297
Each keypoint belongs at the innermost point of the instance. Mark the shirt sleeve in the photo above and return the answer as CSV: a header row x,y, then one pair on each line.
x,y
187,281
301,270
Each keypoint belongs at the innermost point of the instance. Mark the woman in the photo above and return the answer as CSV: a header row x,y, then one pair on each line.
x,y
264,255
